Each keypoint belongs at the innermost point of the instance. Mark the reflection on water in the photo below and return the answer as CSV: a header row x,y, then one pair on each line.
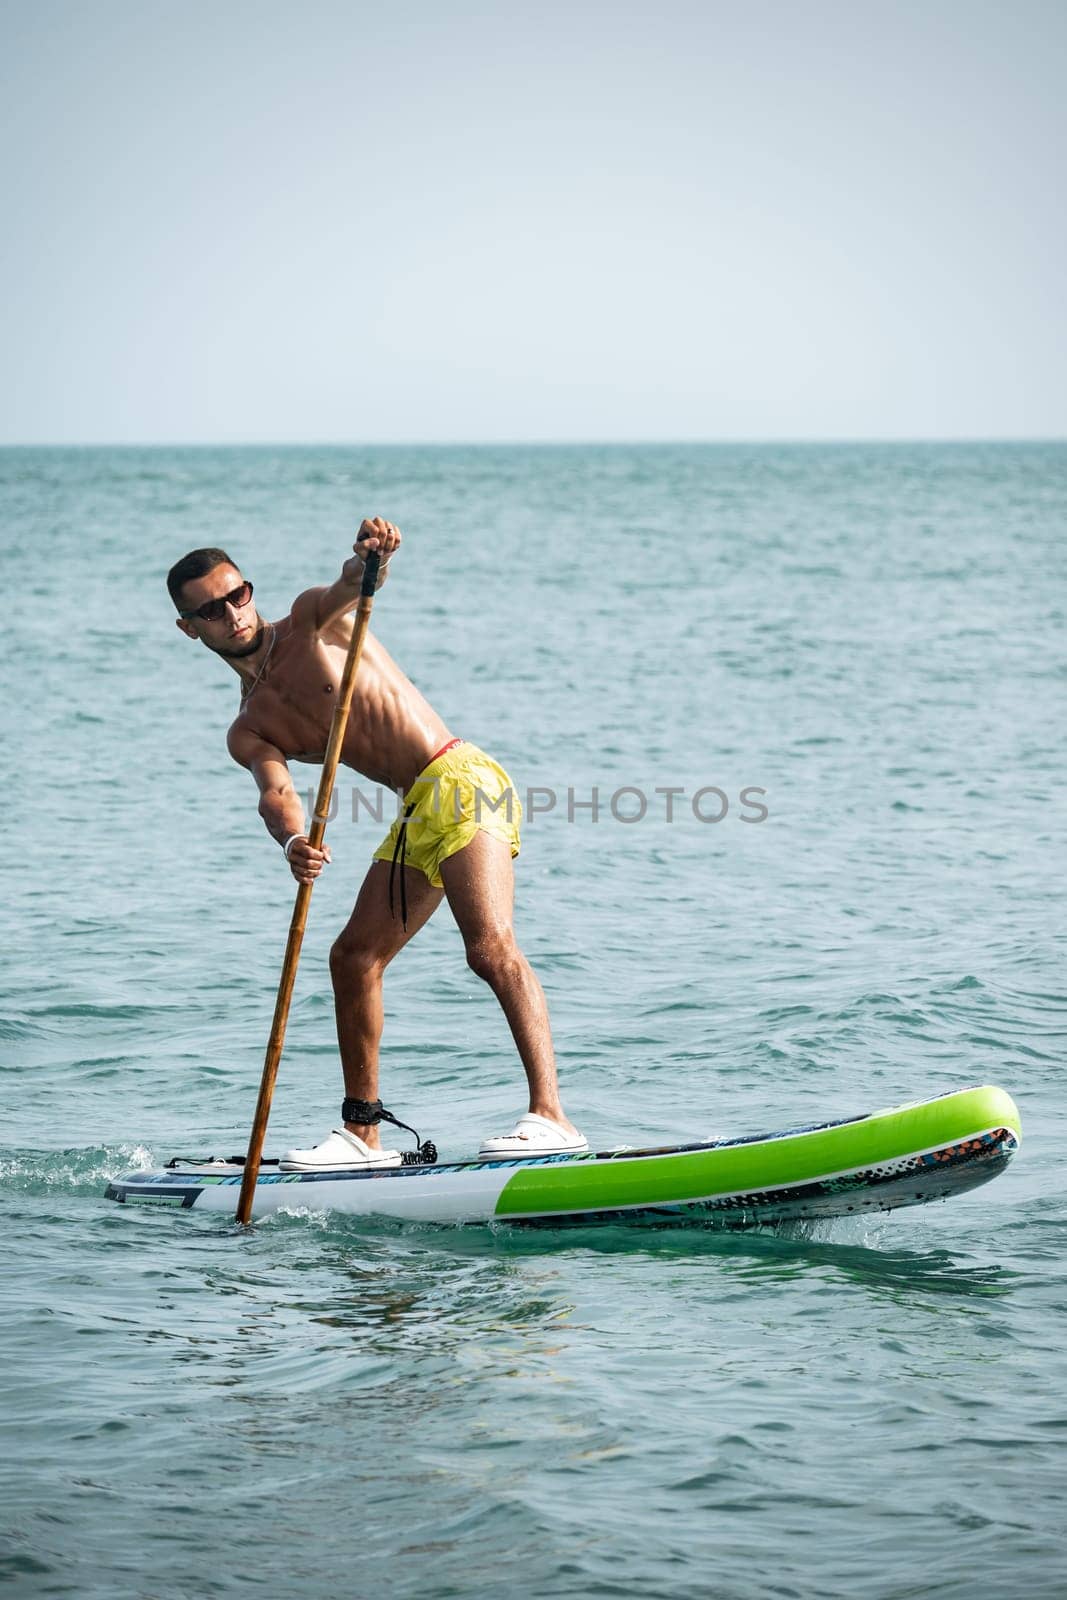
x,y
785,1250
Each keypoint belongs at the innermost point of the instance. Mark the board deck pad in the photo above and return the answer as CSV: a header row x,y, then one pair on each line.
x,y
907,1155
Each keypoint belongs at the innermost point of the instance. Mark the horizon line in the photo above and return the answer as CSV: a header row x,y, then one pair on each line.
x,y
525,444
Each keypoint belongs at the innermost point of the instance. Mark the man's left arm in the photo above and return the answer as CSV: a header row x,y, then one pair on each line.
x,y
317,608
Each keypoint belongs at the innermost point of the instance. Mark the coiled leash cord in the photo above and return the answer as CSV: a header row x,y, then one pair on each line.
x,y
368,1113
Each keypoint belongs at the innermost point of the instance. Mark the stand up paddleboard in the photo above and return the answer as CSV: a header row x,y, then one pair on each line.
x,y
903,1157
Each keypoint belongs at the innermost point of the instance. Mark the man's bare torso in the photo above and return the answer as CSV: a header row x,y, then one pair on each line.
x,y
392,729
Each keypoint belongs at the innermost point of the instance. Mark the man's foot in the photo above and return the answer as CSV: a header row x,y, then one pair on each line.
x,y
535,1136
338,1152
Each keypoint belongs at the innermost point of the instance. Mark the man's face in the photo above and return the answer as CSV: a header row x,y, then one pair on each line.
x,y
238,631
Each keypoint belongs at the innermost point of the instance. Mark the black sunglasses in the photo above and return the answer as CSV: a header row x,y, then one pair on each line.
x,y
215,610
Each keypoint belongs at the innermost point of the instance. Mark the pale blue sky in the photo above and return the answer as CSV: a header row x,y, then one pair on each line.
x,y
249,220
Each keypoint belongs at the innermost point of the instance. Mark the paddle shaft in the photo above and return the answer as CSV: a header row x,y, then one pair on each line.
x,y
303,893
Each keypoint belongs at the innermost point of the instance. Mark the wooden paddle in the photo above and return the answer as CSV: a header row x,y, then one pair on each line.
x,y
303,894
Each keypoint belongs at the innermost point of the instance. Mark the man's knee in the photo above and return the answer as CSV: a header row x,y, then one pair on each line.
x,y
494,956
353,960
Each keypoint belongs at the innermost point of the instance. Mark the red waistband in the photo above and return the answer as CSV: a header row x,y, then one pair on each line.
x,y
445,748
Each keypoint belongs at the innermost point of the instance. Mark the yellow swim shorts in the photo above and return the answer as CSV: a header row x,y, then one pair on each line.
x,y
462,792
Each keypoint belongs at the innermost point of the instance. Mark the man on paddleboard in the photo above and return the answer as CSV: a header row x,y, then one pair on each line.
x,y
455,840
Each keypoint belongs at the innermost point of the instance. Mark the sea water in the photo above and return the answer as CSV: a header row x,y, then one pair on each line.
x,y
819,694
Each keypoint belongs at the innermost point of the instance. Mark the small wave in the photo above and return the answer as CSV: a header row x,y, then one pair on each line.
x,y
310,1216
75,1171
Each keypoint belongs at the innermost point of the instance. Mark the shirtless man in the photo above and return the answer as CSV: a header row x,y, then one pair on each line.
x,y
456,840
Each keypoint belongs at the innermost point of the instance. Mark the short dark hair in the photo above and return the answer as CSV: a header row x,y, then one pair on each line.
x,y
197,564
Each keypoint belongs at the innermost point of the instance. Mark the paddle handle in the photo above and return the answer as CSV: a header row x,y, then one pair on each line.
x,y
303,894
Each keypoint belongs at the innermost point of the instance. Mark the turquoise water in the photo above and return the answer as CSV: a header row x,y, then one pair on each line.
x,y
871,635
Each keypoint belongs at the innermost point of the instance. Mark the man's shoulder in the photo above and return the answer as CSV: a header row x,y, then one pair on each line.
x,y
304,612
246,745
240,739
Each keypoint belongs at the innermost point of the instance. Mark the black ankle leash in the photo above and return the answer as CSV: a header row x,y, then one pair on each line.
x,y
368,1113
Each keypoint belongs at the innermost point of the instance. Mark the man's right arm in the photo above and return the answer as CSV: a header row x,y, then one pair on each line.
x,y
279,804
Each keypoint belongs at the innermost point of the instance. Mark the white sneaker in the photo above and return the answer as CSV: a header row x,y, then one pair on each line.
x,y
340,1151
535,1136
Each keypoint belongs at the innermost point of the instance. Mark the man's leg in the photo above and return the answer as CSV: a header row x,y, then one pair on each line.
x,y
361,953
480,884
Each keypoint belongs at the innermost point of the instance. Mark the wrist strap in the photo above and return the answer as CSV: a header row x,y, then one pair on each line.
x,y
288,845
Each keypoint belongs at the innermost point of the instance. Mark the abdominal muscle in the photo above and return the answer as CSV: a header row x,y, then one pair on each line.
x,y
392,729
